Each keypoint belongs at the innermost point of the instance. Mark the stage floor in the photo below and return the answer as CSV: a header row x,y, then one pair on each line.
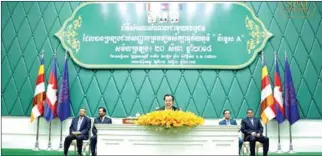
x,y
43,152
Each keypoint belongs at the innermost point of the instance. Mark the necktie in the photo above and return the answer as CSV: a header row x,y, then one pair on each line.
x,y
102,119
252,121
79,123
227,122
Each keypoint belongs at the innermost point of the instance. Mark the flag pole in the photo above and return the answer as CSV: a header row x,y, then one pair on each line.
x,y
290,126
37,137
279,148
61,122
291,145
49,141
61,136
37,133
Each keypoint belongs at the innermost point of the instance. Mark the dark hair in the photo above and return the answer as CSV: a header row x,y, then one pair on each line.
x,y
104,110
225,111
168,95
249,109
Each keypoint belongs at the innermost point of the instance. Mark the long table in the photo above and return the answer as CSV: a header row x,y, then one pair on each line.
x,y
118,139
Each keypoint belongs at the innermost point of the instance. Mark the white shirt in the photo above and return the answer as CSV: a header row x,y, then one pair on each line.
x,y
79,123
227,122
252,121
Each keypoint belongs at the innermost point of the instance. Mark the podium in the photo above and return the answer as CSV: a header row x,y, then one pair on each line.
x,y
113,139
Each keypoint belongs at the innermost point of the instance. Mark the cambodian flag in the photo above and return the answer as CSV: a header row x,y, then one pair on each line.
x,y
64,99
51,94
278,99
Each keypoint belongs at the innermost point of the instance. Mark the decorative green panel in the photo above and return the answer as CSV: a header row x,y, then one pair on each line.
x,y
28,27
147,37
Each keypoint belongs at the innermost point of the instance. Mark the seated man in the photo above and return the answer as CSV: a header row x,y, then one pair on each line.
x,y
102,119
229,121
78,130
168,103
253,131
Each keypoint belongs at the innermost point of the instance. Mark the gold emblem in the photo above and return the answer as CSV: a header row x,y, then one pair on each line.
x,y
256,33
299,9
70,34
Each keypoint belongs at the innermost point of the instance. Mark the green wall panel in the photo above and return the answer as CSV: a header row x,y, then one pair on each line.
x,y
28,27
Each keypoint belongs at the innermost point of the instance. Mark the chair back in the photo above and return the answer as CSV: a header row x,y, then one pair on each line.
x,y
90,130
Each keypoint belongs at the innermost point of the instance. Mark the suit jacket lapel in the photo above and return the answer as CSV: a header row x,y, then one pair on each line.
x,y
255,123
98,120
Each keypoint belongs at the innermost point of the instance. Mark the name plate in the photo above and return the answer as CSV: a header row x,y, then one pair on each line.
x,y
129,120
190,35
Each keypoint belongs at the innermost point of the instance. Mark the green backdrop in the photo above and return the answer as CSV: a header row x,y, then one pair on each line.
x,y
28,27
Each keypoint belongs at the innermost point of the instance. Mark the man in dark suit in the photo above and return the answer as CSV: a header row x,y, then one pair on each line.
x,y
253,131
78,130
102,119
168,103
229,121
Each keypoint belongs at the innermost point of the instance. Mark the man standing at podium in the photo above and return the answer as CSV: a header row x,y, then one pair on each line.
x,y
229,121
168,103
102,119
253,131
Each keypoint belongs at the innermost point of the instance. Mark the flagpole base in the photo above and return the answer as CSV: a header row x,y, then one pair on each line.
x,y
279,149
291,152
60,147
36,147
49,146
